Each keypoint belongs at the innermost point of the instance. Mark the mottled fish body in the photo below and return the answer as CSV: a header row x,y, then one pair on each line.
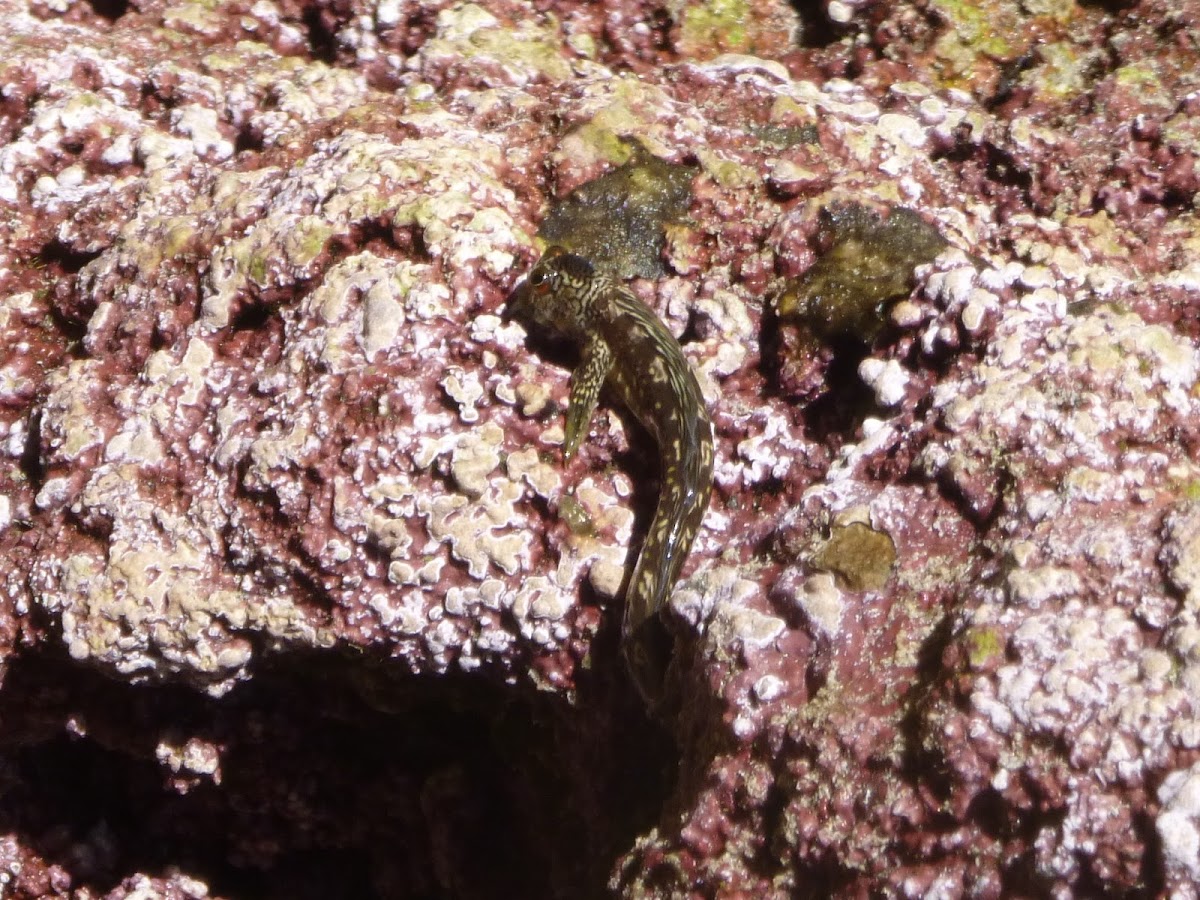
x,y
624,344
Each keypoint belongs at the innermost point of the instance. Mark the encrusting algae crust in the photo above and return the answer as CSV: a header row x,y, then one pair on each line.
x,y
259,412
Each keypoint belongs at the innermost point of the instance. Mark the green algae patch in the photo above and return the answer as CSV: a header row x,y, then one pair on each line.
x,y
985,647
521,49
180,233
714,27
1139,76
708,28
307,240
599,143
194,18
980,38
619,220
572,512
869,262
726,172
860,555
976,36
973,30
244,53
1064,71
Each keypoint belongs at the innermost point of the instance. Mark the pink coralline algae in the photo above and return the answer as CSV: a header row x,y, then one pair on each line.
x,y
299,599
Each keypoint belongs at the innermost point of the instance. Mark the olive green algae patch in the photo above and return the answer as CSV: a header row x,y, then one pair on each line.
x,y
870,261
709,28
715,26
860,555
576,516
985,646
618,220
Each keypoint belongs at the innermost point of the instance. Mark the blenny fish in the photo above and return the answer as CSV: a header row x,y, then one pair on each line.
x,y
623,344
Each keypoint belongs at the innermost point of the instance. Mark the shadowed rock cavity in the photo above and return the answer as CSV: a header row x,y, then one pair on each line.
x,y
301,784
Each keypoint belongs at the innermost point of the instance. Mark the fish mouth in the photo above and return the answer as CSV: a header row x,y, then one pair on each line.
x,y
516,305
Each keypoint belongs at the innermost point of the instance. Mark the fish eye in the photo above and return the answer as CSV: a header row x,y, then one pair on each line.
x,y
542,279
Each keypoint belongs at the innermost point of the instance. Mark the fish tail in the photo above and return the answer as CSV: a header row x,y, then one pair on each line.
x,y
687,483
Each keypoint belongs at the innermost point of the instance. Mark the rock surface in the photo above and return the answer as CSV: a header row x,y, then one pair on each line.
x,y
298,599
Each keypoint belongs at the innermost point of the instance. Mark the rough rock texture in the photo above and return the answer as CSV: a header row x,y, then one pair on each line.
x,y
298,599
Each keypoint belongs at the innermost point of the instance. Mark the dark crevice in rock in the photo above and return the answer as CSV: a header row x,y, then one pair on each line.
x,y
979,497
322,37
338,776
408,239
251,317
921,762
834,415
1153,873
818,31
109,9
774,825
1111,7
826,879
816,675
249,139
381,238
70,307
1008,88
58,257
30,462
256,332
1006,171
770,355
932,653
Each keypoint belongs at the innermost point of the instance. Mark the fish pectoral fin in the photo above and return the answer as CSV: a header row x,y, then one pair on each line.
x,y
586,381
